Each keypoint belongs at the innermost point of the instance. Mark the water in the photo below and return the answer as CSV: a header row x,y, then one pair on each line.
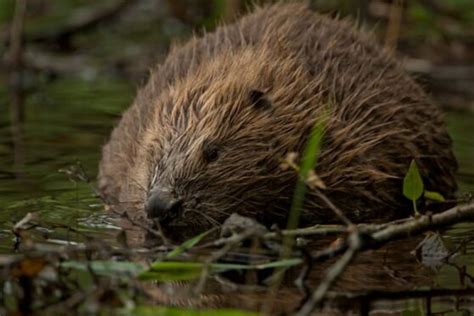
x,y
67,122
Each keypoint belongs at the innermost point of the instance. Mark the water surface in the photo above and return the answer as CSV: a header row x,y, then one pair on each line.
x,y
46,165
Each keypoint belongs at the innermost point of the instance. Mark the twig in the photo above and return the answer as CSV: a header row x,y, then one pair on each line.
x,y
156,233
402,295
316,230
238,238
334,208
235,238
463,274
332,275
20,225
327,230
302,281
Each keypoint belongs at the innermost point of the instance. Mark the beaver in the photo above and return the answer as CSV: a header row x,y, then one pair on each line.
x,y
206,135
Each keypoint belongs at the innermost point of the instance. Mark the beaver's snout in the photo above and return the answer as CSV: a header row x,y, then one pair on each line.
x,y
163,206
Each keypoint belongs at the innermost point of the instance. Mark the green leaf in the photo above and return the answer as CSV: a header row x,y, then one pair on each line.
x,y
434,196
286,263
313,147
310,157
412,183
188,244
172,271
179,271
173,311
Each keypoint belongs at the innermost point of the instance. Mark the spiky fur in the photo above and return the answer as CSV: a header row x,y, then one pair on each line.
x,y
306,64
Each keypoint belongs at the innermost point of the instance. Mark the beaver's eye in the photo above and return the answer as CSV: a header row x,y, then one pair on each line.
x,y
259,100
211,152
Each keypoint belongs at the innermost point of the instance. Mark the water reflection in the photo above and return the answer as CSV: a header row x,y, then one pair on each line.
x,y
66,123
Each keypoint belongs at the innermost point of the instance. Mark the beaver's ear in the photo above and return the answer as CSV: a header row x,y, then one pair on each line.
x,y
259,100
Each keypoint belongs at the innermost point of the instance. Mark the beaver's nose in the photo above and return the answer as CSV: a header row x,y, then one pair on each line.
x,y
163,206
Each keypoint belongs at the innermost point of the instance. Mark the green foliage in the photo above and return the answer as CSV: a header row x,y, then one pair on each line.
x,y
413,184
173,311
166,271
188,244
311,153
172,271
313,148
310,157
6,10
452,22
434,196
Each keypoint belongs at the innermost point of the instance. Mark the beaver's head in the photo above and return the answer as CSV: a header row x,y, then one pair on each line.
x,y
215,142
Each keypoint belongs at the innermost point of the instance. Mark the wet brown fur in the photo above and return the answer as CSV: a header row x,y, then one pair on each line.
x,y
306,65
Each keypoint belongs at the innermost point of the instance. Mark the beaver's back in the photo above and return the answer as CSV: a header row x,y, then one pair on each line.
x,y
379,119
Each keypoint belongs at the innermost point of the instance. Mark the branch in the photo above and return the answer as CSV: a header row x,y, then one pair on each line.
x,y
334,208
402,295
358,242
409,228
322,230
